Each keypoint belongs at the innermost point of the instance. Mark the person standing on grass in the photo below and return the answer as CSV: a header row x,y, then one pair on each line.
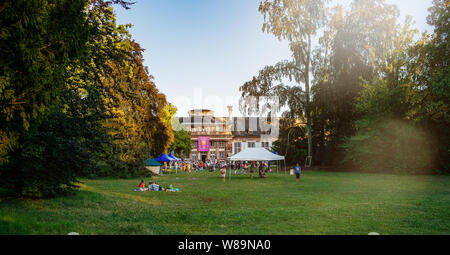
x,y
223,172
251,170
298,170
261,170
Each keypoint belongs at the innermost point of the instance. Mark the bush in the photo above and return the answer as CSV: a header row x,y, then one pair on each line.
x,y
391,146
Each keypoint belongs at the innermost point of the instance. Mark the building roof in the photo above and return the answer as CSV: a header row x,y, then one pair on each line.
x,y
239,126
201,112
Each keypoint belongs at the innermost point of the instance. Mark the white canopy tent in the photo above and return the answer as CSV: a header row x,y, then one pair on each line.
x,y
256,154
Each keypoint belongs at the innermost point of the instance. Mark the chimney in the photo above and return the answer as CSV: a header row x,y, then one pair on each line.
x,y
230,111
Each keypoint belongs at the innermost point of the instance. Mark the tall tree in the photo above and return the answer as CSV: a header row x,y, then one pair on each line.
x,y
358,44
404,109
44,146
297,22
38,41
107,116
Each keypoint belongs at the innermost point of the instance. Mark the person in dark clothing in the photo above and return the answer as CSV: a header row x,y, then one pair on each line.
x,y
261,170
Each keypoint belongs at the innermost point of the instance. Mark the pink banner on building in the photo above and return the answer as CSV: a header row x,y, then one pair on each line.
x,y
203,143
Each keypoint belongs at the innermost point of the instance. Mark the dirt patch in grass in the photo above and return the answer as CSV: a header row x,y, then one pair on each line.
x,y
210,199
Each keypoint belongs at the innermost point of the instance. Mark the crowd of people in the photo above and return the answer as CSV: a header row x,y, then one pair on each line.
x,y
238,167
245,167
248,167
188,166
251,167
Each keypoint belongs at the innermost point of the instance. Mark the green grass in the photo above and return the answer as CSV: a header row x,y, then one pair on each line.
x,y
321,203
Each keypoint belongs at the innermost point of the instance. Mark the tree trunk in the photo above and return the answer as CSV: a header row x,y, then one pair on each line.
x,y
308,115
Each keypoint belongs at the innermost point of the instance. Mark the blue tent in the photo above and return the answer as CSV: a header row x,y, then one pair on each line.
x,y
164,158
173,156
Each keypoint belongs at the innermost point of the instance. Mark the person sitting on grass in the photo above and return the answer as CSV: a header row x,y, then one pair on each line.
x,y
154,186
172,189
141,186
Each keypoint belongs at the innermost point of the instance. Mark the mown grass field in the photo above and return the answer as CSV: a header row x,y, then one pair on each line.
x,y
321,203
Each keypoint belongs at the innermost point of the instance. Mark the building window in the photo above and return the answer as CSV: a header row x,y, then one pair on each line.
x,y
221,154
194,157
213,155
265,145
194,145
237,147
221,144
251,145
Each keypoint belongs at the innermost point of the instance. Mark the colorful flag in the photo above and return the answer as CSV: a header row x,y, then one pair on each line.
x,y
203,143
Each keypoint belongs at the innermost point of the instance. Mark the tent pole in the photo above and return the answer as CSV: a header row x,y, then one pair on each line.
x,y
285,167
230,170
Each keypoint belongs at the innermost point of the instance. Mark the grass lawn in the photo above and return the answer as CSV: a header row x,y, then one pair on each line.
x,y
321,203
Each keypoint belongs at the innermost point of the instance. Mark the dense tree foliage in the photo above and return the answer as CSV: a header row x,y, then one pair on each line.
x,y
366,43
182,144
292,142
76,98
38,40
430,73
405,114
386,137
379,99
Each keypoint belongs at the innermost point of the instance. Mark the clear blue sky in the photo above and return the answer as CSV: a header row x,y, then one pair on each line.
x,y
204,50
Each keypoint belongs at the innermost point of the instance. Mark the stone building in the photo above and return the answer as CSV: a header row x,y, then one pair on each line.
x,y
226,135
